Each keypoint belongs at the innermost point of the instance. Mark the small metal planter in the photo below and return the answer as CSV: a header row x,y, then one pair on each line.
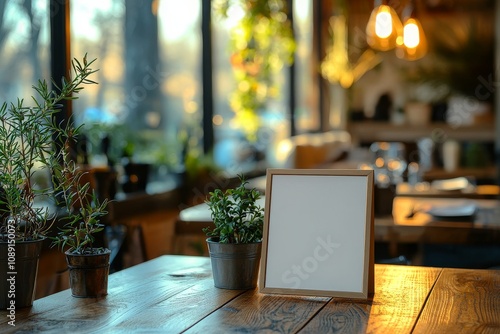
x,y
234,266
18,273
88,274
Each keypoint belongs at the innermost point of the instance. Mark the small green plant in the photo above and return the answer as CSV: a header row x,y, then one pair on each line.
x,y
73,190
236,214
26,148
84,210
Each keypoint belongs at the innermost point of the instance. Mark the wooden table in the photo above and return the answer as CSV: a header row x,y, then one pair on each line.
x,y
411,221
173,294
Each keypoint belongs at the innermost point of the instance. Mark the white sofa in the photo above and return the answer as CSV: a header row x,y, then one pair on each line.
x,y
309,150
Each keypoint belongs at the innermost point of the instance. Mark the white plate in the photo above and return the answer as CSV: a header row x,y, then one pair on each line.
x,y
450,211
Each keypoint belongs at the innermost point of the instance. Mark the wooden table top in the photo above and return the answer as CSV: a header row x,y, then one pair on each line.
x,y
173,294
412,222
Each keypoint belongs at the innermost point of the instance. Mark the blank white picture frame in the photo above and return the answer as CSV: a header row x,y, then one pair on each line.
x,y
318,233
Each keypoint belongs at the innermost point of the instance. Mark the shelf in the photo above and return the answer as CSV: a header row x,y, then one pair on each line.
x,y
382,131
487,173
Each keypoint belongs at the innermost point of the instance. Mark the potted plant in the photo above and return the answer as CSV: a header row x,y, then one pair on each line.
x,y
235,242
26,148
88,263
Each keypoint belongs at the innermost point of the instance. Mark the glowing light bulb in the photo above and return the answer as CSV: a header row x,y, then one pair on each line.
x,y
411,35
383,28
383,25
414,44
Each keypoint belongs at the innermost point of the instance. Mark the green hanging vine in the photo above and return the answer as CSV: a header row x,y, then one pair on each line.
x,y
262,43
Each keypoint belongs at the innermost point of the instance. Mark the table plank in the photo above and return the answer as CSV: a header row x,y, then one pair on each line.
x,y
463,301
400,293
255,312
175,315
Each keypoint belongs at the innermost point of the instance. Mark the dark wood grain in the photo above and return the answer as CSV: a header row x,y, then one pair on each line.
x,y
254,312
400,292
463,301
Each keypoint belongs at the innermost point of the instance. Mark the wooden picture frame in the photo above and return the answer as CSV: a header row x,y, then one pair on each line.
x,y
318,233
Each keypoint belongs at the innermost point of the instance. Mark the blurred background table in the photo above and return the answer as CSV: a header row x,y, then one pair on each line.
x,y
409,224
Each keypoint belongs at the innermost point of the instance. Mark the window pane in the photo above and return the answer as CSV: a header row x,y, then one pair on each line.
x,y
181,43
97,30
24,48
149,55
306,90
227,138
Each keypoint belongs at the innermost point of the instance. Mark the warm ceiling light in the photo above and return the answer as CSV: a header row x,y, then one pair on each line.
x,y
411,35
383,28
383,23
414,44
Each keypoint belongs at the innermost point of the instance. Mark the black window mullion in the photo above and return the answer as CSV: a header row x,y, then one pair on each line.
x,y
207,72
60,52
317,34
291,86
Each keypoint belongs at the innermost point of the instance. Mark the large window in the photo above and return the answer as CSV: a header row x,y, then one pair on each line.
x,y
150,93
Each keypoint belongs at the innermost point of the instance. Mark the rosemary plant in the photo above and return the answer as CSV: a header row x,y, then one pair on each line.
x,y
83,208
27,146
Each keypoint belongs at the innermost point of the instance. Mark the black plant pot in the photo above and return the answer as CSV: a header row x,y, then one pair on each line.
x,y
136,177
106,182
18,277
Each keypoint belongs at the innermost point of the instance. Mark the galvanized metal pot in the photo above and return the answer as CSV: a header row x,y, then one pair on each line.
x,y
18,272
234,266
88,274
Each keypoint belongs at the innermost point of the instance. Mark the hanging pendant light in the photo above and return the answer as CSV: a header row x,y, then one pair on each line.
x,y
414,44
384,29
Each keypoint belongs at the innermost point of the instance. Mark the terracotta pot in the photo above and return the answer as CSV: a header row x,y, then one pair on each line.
x,y
418,113
234,266
18,282
88,274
